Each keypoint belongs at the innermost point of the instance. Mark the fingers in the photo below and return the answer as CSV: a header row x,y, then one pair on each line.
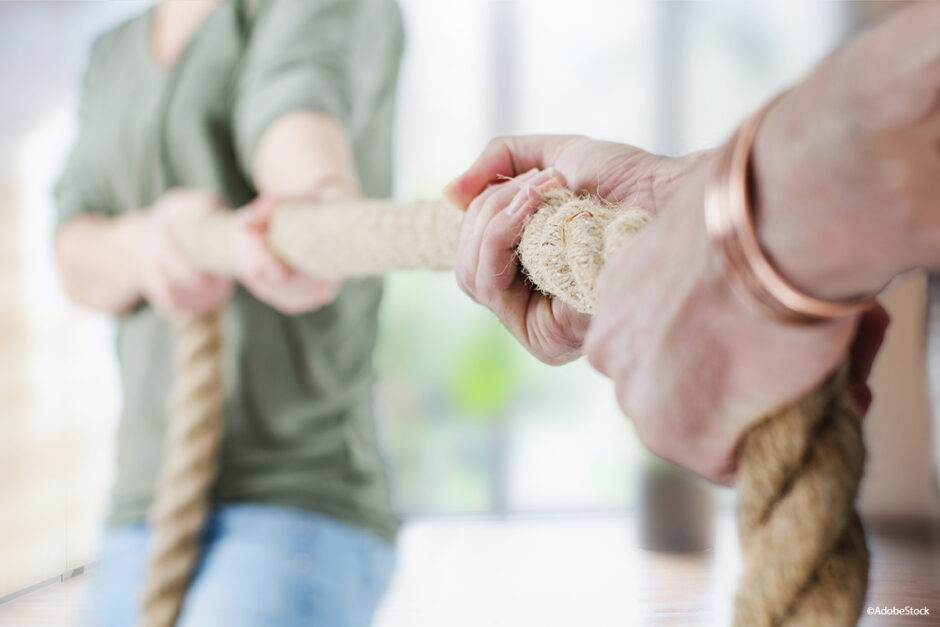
x,y
258,212
194,293
298,294
268,278
473,231
178,270
253,256
187,287
472,227
488,270
295,294
505,157
497,258
171,283
257,263
170,299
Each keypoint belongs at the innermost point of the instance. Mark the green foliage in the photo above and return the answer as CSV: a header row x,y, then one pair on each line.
x,y
483,372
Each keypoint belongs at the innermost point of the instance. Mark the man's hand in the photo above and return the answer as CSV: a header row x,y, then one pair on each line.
x,y
693,367
266,276
167,280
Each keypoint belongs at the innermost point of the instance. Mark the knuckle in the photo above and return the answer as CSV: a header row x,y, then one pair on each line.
x,y
501,234
498,143
475,207
494,230
494,203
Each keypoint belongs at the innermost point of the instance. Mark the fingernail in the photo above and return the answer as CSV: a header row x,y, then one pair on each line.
x,y
528,176
544,175
520,200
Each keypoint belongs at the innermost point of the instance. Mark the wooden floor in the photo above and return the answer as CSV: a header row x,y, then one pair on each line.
x,y
571,572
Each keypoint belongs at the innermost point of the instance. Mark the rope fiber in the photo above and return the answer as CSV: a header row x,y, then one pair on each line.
x,y
805,562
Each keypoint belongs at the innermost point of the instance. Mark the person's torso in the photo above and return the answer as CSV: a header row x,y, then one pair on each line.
x,y
298,412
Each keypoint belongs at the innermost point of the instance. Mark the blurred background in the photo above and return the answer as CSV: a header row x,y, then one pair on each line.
x,y
475,429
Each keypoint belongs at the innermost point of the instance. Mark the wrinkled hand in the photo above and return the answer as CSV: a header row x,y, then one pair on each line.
x,y
267,277
168,281
692,365
503,187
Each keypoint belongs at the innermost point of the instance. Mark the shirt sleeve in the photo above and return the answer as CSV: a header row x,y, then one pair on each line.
x,y
82,185
296,60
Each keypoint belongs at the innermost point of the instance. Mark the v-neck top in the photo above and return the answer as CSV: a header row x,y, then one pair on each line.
x,y
299,422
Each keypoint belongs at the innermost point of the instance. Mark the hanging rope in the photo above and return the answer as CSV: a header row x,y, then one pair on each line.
x,y
805,560
190,461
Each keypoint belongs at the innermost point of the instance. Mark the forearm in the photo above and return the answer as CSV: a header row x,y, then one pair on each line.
x,y
846,165
97,261
305,154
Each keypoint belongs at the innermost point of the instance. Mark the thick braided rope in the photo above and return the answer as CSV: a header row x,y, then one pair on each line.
x,y
194,436
802,543
805,560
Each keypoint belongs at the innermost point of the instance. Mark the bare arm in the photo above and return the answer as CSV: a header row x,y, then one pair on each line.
x,y
112,263
848,166
97,261
303,154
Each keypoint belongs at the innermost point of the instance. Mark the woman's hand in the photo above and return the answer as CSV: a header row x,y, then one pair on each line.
x,y
503,187
267,277
167,280
488,270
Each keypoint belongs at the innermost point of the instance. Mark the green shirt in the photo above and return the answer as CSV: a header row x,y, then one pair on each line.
x,y
299,422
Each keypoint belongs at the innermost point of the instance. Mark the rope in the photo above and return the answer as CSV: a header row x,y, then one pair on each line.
x,y
805,560
190,461
803,550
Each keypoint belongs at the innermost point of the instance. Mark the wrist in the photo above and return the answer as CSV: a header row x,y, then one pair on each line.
x,y
820,215
845,168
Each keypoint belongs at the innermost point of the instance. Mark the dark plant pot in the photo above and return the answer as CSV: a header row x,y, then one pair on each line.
x,y
676,510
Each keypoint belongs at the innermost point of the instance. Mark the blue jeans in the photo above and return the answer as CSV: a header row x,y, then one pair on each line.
x,y
261,566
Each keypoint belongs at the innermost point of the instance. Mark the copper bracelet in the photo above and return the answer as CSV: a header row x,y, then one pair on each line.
x,y
729,221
